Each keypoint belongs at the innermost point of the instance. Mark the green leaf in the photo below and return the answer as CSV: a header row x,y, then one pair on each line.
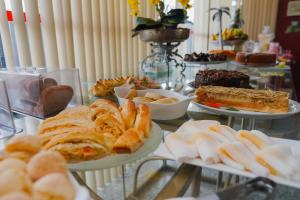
x,y
144,20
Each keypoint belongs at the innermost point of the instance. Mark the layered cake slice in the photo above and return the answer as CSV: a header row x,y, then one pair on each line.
x,y
246,99
222,78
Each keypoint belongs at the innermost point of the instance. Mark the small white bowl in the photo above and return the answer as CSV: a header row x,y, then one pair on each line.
x,y
159,111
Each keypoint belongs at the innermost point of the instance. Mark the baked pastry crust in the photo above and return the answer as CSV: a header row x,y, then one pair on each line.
x,y
24,143
128,111
53,186
143,120
129,142
108,123
246,99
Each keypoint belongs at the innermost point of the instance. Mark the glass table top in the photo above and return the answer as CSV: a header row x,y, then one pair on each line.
x,y
285,128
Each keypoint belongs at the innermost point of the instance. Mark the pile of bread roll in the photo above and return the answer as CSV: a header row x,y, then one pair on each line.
x,y
151,97
244,150
92,132
29,173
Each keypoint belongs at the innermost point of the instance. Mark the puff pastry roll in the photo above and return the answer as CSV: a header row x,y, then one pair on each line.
x,y
128,111
238,156
129,142
255,140
76,146
103,106
143,120
108,123
278,159
64,123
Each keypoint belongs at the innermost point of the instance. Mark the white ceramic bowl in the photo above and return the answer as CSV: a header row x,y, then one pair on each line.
x,y
159,111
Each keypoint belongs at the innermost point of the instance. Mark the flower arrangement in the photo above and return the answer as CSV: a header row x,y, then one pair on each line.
x,y
167,19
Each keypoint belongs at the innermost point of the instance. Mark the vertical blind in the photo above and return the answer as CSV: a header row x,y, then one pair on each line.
x,y
93,36
257,14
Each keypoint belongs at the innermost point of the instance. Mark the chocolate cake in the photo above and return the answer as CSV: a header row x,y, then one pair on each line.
x,y
222,78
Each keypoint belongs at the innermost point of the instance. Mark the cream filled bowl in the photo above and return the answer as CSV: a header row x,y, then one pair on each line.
x,y
163,104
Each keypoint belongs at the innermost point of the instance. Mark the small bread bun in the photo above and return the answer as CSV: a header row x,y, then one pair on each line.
x,y
24,143
21,155
143,99
154,96
46,162
14,180
16,196
53,186
12,163
169,100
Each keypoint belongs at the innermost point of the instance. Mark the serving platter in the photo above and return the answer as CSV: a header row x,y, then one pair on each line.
x,y
294,108
164,152
111,161
254,65
191,63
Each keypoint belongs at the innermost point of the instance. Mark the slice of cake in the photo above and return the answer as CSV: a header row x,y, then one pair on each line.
x,y
255,58
222,78
245,99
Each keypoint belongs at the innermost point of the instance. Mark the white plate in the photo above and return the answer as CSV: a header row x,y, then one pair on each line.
x,y
81,193
204,62
159,111
120,159
163,151
294,108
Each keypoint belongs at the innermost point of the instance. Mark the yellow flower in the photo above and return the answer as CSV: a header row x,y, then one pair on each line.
x,y
154,2
185,3
134,6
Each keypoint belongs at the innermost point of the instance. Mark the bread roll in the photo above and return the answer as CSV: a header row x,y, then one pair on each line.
x,y
20,155
14,180
53,186
129,142
46,162
24,143
16,196
143,120
128,111
12,163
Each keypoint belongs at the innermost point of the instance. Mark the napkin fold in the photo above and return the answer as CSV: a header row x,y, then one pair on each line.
x,y
279,160
180,148
255,140
241,158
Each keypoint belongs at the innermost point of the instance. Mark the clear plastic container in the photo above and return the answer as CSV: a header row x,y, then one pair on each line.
x,y
7,126
40,93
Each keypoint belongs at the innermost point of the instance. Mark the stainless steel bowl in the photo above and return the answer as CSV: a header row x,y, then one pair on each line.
x,y
165,35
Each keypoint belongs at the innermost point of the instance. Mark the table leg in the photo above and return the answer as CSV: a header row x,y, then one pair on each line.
x,y
135,183
230,121
93,194
252,122
219,180
197,183
123,177
242,123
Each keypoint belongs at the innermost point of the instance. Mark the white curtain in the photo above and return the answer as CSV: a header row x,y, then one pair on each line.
x,y
92,35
